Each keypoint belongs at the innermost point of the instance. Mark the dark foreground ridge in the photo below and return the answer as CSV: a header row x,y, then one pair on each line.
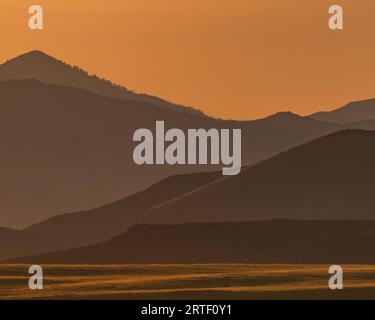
x,y
277,241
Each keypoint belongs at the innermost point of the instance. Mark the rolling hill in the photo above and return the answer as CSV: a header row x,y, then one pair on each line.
x,y
332,177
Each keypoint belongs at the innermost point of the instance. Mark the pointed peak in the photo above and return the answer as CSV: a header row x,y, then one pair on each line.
x,y
280,116
35,53
33,56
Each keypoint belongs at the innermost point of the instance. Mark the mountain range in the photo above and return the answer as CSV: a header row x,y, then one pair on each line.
x,y
68,180
67,144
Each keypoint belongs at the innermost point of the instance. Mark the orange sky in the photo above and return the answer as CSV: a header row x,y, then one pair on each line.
x,y
231,58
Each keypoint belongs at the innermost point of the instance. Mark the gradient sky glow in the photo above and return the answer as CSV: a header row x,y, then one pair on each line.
x,y
232,58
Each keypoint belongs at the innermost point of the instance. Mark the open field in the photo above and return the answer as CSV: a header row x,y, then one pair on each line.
x,y
239,281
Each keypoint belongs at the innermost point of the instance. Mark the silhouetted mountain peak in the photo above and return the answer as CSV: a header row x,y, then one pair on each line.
x,y
285,118
38,65
32,59
34,54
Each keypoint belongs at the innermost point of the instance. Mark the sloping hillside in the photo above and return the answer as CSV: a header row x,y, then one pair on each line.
x,y
330,178
15,243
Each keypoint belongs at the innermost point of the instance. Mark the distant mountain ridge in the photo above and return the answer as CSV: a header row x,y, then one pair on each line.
x,y
41,66
352,112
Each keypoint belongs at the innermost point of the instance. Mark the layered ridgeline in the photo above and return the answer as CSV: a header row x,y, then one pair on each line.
x,y
67,139
329,178
83,228
279,241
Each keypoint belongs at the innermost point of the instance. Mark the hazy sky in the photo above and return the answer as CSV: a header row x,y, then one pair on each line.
x,y
231,58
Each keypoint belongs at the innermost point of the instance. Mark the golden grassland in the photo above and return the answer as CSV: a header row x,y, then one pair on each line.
x,y
217,281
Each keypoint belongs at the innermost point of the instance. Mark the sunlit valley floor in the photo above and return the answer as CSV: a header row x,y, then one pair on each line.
x,y
216,281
